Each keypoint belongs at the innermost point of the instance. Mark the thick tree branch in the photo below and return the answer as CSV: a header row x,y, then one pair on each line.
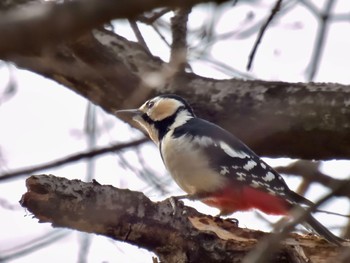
x,y
300,120
308,121
180,235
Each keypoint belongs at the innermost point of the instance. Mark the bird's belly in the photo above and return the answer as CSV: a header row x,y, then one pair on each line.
x,y
189,167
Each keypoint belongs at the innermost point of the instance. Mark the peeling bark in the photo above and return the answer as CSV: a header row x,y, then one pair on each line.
x,y
180,235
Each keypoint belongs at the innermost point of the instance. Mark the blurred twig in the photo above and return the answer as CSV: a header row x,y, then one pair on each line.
x,y
323,18
149,20
34,244
91,131
138,34
274,11
71,159
308,170
11,86
7,205
178,54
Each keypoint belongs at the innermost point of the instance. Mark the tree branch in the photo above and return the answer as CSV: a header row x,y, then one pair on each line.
x,y
310,172
178,54
274,11
180,235
298,120
71,159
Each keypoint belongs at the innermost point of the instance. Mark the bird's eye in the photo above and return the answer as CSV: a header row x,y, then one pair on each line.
x,y
150,104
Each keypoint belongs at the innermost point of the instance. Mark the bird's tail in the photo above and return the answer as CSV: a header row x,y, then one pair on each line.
x,y
321,230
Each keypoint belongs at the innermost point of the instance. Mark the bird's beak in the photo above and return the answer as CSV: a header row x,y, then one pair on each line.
x,y
133,114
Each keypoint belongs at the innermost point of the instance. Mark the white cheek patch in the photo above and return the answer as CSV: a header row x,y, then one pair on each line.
x,y
232,152
269,177
180,119
249,165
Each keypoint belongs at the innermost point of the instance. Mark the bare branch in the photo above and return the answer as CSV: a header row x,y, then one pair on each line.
x,y
180,235
149,20
274,11
34,244
138,34
71,159
320,39
178,56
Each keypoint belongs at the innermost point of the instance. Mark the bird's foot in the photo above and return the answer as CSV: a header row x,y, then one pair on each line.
x,y
192,197
175,201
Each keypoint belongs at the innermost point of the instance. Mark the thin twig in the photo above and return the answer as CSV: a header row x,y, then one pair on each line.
x,y
162,37
71,159
149,20
320,39
138,35
274,11
35,244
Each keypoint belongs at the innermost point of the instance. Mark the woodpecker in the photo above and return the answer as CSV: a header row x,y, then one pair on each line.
x,y
212,165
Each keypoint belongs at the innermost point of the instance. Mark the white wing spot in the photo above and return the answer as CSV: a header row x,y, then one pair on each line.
x,y
269,177
271,191
279,188
241,176
224,170
263,165
232,152
255,184
204,141
249,165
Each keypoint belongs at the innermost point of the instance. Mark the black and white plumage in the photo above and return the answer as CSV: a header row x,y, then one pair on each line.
x,y
211,164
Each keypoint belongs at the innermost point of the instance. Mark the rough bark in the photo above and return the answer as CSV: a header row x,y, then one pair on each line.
x,y
180,235
298,120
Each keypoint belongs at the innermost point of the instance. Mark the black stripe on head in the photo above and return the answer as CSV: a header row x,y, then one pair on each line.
x,y
182,100
164,125
147,119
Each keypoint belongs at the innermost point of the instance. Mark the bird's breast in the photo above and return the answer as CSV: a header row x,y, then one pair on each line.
x,y
189,166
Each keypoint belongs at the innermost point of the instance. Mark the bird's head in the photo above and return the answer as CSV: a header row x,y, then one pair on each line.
x,y
160,114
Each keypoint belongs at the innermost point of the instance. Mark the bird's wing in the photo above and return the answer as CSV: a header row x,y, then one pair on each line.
x,y
232,158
